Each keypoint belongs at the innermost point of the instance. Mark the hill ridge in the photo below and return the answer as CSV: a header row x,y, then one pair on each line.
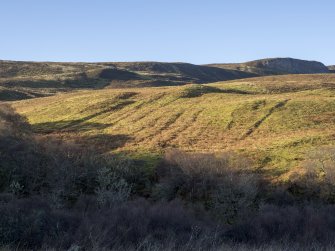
x,y
277,66
28,79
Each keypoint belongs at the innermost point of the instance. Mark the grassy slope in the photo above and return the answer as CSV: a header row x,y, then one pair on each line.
x,y
275,120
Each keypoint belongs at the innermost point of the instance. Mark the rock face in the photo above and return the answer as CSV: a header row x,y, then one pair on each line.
x,y
290,65
278,66
331,68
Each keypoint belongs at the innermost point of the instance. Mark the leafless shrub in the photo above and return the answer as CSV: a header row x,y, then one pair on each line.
x,y
111,188
303,224
138,225
58,170
223,184
27,223
318,176
11,123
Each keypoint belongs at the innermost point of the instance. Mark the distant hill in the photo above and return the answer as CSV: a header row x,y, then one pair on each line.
x,y
21,80
277,66
332,68
148,72
183,72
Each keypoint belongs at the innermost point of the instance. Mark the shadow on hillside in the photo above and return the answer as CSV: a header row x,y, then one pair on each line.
x,y
79,125
27,89
34,84
12,95
98,143
195,90
235,91
103,142
68,126
75,83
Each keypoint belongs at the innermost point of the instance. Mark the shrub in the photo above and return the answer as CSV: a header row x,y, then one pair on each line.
x,y
58,170
11,123
137,224
304,224
111,188
317,177
28,223
222,183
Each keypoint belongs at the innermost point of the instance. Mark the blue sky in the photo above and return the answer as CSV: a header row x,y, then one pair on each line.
x,y
195,31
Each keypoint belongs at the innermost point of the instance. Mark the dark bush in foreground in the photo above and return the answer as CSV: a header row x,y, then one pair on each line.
x,y
32,224
293,224
141,225
224,184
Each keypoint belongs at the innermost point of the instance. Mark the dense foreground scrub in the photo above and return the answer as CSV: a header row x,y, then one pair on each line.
x,y
60,196
141,225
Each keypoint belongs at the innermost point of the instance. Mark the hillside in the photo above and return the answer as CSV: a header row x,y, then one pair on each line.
x,y
22,80
274,120
277,66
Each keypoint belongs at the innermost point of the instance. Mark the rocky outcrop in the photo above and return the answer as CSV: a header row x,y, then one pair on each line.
x,y
278,66
331,68
290,65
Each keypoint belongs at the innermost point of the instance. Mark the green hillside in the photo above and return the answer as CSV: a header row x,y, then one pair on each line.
x,y
274,120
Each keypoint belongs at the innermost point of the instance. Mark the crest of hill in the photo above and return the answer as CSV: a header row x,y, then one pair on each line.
x,y
183,71
22,80
277,66
176,73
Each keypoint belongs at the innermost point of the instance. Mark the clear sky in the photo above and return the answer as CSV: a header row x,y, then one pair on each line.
x,y
195,31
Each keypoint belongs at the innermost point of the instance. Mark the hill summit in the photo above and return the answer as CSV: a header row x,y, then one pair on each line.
x,y
277,66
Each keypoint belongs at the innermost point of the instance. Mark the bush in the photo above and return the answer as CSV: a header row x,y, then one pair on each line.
x,y
305,224
141,225
31,223
28,223
111,188
223,184
316,179
11,123
61,171
136,223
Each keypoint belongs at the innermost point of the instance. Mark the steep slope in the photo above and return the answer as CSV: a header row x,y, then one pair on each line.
x,y
274,120
277,66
